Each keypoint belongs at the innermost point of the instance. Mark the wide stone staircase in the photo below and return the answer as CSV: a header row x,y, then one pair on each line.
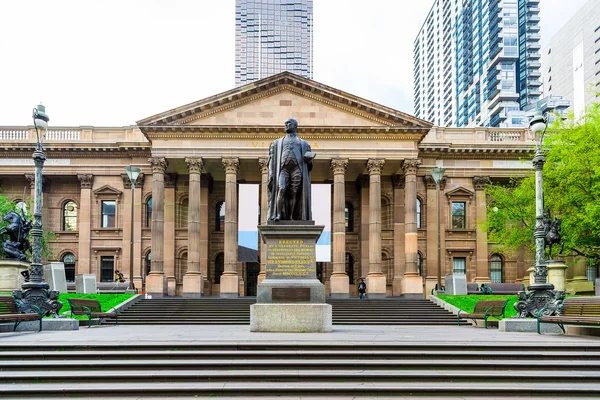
x,y
207,310
300,369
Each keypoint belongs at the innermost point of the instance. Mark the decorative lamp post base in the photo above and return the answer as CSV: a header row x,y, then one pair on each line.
x,y
38,295
540,297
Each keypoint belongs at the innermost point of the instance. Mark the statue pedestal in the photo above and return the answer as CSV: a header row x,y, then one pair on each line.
x,y
290,298
556,274
10,274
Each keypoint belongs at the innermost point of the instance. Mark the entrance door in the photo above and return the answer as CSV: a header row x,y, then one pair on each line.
x,y
252,271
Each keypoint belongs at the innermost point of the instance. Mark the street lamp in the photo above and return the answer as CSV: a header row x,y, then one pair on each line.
x,y
540,294
35,293
438,173
132,173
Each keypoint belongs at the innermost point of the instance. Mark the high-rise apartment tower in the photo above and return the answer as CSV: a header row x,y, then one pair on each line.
x,y
477,62
273,36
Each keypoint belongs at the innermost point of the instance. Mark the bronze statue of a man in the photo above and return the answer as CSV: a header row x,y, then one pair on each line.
x,y
290,163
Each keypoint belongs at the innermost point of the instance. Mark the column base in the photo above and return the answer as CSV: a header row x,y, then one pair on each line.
x,y
376,288
556,274
412,285
339,286
193,285
156,284
229,286
397,286
171,286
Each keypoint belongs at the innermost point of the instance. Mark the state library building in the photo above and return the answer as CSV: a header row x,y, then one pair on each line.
x,y
376,161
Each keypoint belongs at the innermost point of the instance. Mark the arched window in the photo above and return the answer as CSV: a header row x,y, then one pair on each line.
x,y
350,267
349,212
181,269
496,268
418,213
220,217
219,267
148,262
69,222
21,205
182,213
386,214
419,263
69,261
387,267
149,212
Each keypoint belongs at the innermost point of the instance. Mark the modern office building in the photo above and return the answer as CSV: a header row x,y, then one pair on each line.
x,y
477,62
572,59
273,36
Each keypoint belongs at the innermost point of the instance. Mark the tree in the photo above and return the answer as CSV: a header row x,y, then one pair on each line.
x,y
571,179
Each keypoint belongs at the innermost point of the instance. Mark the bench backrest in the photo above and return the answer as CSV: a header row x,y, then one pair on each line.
x,y
472,287
493,307
8,305
506,287
82,305
581,307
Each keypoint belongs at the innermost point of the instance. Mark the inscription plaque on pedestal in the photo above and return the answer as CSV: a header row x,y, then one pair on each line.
x,y
291,258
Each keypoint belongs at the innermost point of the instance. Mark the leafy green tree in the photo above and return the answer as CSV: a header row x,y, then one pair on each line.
x,y
571,180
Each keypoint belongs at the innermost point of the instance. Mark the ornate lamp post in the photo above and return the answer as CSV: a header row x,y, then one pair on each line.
x,y
540,294
35,292
438,173
132,173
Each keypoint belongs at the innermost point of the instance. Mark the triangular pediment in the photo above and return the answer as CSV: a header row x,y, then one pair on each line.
x,y
460,192
270,101
107,190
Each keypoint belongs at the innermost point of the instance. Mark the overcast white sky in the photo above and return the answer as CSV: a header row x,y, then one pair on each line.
x,y
113,62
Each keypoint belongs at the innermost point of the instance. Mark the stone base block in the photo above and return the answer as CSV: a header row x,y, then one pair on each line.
x,y
293,287
397,287
156,284
229,286
580,286
10,274
48,324
376,286
412,285
193,285
304,317
340,287
525,325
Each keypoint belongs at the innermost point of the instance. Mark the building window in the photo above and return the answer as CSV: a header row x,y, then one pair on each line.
x,y
69,222
181,269
419,263
108,213
182,213
220,217
460,265
149,213
69,261
148,262
459,216
496,269
107,269
349,217
219,267
418,213
350,267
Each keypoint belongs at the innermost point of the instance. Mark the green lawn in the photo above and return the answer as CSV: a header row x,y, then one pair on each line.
x,y
467,302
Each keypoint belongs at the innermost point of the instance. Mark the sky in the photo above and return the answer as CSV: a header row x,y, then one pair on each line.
x,y
114,62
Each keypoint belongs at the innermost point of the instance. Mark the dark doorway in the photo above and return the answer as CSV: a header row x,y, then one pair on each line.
x,y
252,271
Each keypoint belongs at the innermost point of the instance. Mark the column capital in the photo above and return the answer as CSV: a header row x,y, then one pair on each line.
x,y
86,180
479,182
194,165
430,182
170,180
263,165
159,164
231,165
375,165
339,165
398,181
411,165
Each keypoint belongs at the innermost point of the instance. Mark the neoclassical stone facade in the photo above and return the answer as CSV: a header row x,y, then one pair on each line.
x,y
377,160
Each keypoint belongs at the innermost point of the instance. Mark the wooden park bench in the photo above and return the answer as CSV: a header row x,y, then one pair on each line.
x,y
9,312
485,309
573,311
502,288
91,309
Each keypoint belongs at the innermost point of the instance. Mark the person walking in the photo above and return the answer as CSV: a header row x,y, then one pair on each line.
x,y
362,288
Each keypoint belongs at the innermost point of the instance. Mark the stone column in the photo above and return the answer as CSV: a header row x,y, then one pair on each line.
x,y
399,256
412,284
482,270
84,265
169,234
579,283
376,285
193,280
156,282
137,232
263,165
230,278
363,183
205,187
339,282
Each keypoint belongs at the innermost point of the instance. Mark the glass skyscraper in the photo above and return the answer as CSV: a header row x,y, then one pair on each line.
x,y
476,62
273,36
